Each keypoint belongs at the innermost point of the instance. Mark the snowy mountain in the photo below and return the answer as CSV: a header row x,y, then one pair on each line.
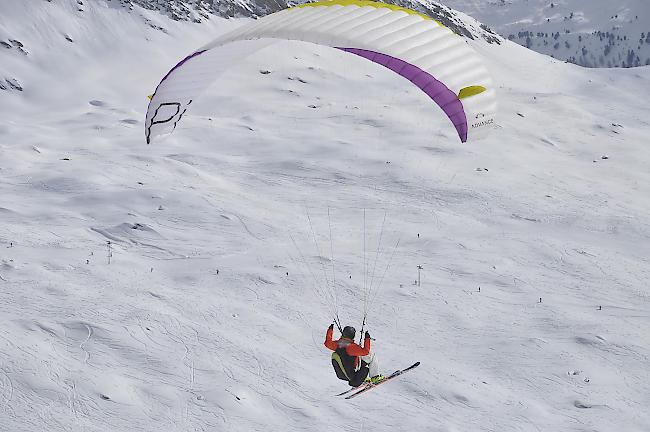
x,y
594,33
187,285
198,10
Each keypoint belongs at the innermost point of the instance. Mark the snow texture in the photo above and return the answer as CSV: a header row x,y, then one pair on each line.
x,y
180,286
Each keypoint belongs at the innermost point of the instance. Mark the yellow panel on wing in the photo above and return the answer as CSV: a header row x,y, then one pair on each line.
x,y
362,3
470,91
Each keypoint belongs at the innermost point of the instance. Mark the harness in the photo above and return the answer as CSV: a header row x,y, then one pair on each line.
x,y
343,363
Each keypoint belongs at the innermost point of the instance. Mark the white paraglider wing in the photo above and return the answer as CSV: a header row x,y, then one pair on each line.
x,y
412,45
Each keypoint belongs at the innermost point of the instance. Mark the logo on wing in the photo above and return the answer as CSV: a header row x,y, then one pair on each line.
x,y
481,121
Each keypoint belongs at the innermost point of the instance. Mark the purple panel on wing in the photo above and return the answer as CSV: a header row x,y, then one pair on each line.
x,y
180,63
396,65
455,108
437,91
446,98
459,119
421,79
380,58
409,72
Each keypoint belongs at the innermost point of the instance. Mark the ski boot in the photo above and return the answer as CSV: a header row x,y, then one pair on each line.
x,y
375,379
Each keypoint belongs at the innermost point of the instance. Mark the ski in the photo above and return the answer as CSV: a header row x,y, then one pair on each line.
x,y
370,386
351,389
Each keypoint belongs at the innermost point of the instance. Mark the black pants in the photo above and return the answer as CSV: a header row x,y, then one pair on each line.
x,y
359,376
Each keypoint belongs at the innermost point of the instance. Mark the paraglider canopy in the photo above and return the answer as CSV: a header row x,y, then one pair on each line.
x,y
410,44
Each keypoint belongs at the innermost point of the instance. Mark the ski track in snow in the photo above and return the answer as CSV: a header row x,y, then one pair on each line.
x,y
81,346
7,391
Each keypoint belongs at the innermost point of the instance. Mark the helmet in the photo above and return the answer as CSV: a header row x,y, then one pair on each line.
x,y
348,332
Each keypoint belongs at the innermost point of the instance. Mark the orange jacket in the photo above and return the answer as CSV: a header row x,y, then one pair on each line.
x,y
351,348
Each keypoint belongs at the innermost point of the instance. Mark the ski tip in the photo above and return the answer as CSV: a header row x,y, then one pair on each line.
x,y
416,364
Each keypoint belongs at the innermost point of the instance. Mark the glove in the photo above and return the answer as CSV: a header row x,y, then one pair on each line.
x,y
368,335
331,327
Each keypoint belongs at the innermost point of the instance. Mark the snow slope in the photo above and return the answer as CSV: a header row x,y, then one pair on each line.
x,y
210,314
594,33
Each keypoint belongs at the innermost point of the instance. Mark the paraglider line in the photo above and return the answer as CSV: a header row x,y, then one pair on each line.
x,y
329,222
381,234
317,286
365,267
313,234
337,320
385,271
